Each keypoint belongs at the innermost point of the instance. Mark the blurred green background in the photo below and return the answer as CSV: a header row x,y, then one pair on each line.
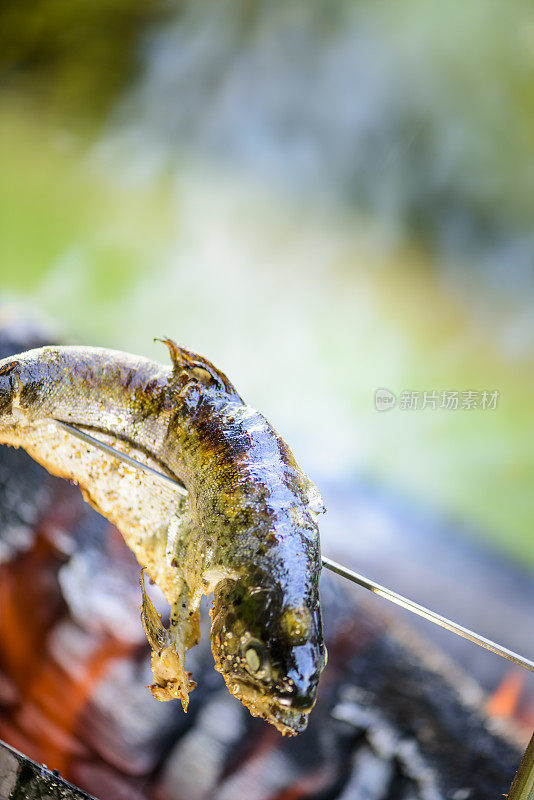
x,y
323,198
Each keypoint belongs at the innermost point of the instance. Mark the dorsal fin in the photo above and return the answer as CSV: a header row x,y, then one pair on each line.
x,y
198,368
178,354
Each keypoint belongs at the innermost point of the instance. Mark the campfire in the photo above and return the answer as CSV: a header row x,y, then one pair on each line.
x,y
390,722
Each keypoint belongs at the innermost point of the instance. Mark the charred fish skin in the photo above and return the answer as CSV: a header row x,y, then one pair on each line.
x,y
247,530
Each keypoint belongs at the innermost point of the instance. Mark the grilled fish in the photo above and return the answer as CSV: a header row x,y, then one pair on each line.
x,y
246,529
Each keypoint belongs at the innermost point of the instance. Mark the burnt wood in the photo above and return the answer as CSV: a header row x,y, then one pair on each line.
x,y
24,779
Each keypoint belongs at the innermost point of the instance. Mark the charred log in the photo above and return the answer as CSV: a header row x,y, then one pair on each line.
x,y
24,779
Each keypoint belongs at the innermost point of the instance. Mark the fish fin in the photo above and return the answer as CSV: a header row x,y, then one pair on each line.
x,y
198,368
155,631
171,680
178,354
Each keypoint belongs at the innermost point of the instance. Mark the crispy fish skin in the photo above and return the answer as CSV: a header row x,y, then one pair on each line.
x,y
247,529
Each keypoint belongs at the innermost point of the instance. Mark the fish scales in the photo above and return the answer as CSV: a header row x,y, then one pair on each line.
x,y
246,530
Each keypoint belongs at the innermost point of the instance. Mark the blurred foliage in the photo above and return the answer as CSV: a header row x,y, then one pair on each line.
x,y
72,56
60,216
417,113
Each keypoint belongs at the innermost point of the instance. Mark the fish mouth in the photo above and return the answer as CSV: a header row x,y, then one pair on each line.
x,y
288,720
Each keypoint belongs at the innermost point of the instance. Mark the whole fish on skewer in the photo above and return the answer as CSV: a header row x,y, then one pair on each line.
x,y
246,529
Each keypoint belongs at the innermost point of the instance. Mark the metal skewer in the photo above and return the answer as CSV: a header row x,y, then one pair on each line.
x,y
426,613
132,462
355,577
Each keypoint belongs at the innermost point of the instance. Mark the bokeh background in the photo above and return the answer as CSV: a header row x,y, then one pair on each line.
x,y
324,198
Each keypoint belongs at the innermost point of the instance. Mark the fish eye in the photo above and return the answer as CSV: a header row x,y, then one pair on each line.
x,y
255,657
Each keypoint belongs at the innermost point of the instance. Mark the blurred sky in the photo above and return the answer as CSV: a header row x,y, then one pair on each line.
x,y
323,198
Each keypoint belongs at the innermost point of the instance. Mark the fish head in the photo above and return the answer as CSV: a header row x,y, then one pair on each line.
x,y
269,649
